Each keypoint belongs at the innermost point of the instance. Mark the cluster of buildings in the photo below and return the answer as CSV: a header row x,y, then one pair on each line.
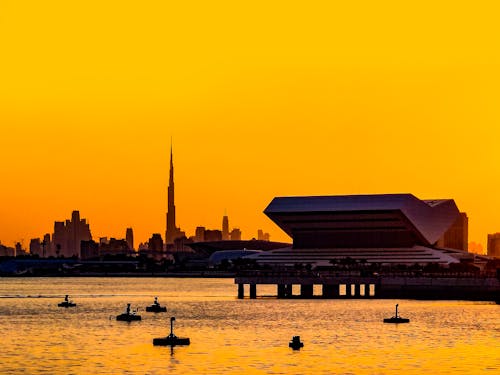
x,y
387,228
73,238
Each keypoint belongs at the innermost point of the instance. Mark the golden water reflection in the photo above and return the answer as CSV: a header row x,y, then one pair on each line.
x,y
231,336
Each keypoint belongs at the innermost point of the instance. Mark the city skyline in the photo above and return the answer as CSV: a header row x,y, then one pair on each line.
x,y
276,100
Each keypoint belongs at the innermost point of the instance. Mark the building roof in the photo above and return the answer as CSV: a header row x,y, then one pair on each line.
x,y
429,218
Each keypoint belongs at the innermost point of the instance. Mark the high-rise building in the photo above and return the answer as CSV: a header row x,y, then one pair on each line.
x,y
235,235
213,235
129,237
172,232
262,236
199,235
115,247
35,247
494,245
155,243
46,245
18,249
225,228
68,235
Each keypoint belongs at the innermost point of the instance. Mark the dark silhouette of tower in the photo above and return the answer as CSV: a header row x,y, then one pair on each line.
x,y
129,237
68,235
225,227
172,231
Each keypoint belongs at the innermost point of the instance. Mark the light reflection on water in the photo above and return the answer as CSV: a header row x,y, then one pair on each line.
x,y
231,336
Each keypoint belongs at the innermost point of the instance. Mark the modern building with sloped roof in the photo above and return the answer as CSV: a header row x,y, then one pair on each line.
x,y
386,229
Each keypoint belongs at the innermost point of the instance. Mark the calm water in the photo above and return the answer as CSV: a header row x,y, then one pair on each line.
x,y
230,336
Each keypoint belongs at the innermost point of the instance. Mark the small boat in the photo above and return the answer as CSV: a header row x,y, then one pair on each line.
x,y
66,303
396,318
171,339
295,343
156,307
128,315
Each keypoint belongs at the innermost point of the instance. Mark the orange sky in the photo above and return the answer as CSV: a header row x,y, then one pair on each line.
x,y
261,98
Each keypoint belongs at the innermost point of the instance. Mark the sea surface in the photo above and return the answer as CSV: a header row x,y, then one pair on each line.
x,y
231,336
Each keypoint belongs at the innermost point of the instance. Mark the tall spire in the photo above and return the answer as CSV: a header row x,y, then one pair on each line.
x,y
171,231
171,179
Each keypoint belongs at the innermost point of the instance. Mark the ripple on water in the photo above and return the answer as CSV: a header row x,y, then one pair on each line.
x,y
232,336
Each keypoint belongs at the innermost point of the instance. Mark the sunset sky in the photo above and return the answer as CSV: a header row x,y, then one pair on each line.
x,y
261,99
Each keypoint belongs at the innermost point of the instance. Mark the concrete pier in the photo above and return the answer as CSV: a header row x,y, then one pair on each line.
x,y
479,288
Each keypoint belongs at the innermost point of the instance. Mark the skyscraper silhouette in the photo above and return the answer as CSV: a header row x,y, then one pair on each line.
x,y
172,231
129,237
225,228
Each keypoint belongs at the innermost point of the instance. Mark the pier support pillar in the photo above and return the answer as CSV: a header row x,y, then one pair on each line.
x,y
253,291
328,291
306,291
241,291
289,290
367,291
281,291
348,290
357,291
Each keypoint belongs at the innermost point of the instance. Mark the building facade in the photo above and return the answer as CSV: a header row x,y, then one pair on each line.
x,y
225,228
129,237
382,229
68,236
494,245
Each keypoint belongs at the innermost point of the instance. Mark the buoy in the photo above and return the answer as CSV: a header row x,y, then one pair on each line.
x,y
295,343
396,318
171,339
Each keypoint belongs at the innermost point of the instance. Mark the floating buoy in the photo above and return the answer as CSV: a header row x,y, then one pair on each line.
x,y
171,339
396,318
295,343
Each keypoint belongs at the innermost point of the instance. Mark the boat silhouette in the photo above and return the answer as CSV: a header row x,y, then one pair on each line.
x,y
156,307
67,302
128,315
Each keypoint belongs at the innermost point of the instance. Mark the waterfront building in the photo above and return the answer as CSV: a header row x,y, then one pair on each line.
x,y
382,229
129,237
494,245
68,235
172,232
